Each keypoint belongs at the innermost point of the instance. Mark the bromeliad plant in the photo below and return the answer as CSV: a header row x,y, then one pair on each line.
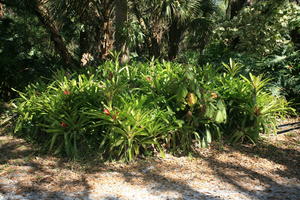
x,y
124,112
133,128
54,115
198,106
252,109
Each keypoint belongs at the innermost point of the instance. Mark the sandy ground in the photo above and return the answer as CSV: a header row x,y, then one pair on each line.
x,y
268,170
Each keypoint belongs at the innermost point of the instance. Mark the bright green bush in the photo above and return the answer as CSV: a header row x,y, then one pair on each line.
x,y
132,128
252,109
122,112
55,114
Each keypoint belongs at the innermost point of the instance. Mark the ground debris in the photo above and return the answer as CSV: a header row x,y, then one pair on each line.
x,y
267,170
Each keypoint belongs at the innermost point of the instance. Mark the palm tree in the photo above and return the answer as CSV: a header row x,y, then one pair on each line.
x,y
186,16
167,21
164,24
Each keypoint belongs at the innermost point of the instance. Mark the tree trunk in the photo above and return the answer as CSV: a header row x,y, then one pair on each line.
x,y
295,37
154,50
56,38
153,32
1,10
84,43
106,29
235,6
107,41
156,35
175,37
121,14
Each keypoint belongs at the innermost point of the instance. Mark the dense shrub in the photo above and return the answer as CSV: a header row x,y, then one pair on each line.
x,y
260,37
143,108
252,108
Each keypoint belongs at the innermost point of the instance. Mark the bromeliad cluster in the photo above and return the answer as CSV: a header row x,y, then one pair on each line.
x,y
146,108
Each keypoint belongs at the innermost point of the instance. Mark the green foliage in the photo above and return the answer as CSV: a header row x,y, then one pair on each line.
x,y
139,109
252,109
23,57
284,70
259,37
54,114
262,29
122,112
133,128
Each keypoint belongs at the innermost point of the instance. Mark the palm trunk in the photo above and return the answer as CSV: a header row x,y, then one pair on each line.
x,y
156,36
107,40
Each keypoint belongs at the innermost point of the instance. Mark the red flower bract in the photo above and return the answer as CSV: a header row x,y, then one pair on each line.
x,y
62,124
67,92
148,78
106,111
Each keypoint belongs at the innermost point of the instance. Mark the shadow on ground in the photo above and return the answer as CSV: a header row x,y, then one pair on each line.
x,y
16,154
55,178
23,176
280,190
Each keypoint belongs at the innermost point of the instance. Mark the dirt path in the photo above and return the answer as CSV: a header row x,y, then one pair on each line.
x,y
269,170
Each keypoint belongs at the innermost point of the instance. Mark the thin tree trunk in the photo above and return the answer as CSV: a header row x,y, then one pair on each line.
x,y
83,43
107,29
56,38
121,14
235,6
175,37
295,37
121,10
1,10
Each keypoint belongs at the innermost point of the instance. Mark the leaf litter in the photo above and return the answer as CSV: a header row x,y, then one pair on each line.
x,y
267,170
